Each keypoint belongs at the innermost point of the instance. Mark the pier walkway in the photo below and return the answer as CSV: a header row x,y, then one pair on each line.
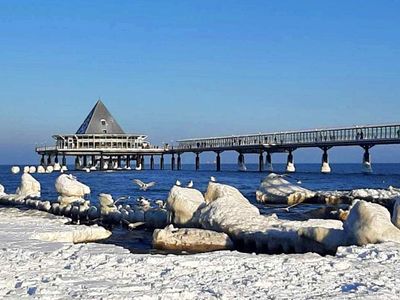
x,y
363,136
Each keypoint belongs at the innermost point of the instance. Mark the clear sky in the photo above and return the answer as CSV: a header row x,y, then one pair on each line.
x,y
179,69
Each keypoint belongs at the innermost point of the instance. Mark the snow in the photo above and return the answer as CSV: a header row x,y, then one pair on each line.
x,y
190,239
275,189
183,203
56,270
70,189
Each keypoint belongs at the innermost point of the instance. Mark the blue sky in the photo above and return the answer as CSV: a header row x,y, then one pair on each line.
x,y
179,69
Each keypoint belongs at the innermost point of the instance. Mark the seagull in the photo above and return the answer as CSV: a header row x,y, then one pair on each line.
x,y
160,203
144,186
190,184
143,202
213,179
122,198
178,183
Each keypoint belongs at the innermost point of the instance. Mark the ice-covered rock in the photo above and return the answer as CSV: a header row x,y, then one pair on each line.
x,y
366,223
70,189
395,214
190,240
29,187
156,218
49,169
109,212
375,194
15,169
370,223
41,169
182,204
64,169
275,189
230,212
32,169
57,167
2,193
26,169
81,234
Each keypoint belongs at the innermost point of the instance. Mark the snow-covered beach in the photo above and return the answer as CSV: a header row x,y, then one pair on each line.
x,y
56,270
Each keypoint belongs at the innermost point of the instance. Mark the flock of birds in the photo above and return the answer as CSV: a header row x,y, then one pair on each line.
x,y
143,186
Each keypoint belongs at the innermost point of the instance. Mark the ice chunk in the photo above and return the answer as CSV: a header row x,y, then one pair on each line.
x,y
183,203
190,239
275,189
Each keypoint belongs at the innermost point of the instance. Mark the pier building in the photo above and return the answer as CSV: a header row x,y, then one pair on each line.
x,y
100,144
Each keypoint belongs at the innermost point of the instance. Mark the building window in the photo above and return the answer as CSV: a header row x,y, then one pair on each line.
x,y
104,130
103,122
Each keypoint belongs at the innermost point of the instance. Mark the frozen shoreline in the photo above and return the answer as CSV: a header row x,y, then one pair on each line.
x,y
63,270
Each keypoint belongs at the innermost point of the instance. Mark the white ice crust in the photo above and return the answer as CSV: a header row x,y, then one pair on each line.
x,y
276,189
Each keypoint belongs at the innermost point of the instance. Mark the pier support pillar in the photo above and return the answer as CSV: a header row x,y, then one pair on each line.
x,y
325,168
142,162
241,163
138,161
101,162
64,160
77,163
119,162
173,162
162,162
179,162
197,161
261,162
42,163
110,163
366,166
268,162
128,162
57,166
49,160
152,162
85,163
218,162
290,168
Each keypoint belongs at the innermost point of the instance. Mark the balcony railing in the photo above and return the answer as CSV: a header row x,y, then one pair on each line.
x,y
310,137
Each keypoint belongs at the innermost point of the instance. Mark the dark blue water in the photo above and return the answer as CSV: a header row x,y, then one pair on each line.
x,y
119,183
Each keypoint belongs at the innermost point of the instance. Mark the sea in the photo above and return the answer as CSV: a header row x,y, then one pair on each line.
x,y
344,177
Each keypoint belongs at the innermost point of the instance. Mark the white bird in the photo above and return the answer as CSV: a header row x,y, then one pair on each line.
x,y
299,182
213,179
160,203
122,198
144,186
178,183
190,184
143,202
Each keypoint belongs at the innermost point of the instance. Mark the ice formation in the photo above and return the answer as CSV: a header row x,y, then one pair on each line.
x,y
29,187
15,169
183,203
190,240
275,189
396,213
70,190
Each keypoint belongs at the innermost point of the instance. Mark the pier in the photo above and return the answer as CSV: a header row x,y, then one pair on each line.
x,y
288,142
101,144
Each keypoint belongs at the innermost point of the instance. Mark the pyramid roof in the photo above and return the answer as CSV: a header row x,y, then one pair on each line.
x,y
100,121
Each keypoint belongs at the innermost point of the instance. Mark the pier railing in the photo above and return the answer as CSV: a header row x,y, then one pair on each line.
x,y
357,135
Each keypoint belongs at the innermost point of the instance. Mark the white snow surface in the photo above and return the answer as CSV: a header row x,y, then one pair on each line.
x,y
52,270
